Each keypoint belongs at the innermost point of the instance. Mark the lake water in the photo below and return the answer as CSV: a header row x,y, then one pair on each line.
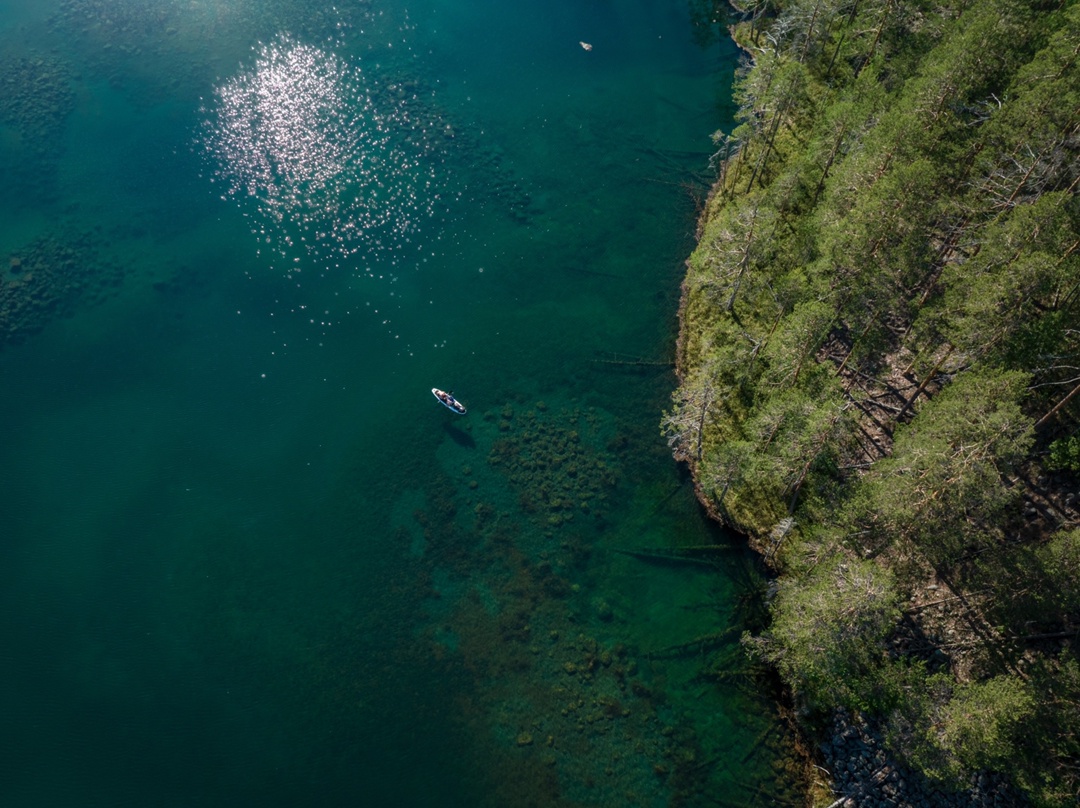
x,y
246,558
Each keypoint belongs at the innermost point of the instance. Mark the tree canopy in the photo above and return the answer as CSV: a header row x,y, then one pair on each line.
x,y
880,367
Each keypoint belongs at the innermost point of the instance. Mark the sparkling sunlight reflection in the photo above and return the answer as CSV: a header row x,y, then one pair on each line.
x,y
333,159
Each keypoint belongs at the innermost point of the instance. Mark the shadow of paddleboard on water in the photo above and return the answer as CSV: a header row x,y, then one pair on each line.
x,y
460,437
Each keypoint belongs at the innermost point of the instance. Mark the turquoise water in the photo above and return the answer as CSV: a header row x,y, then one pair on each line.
x,y
245,557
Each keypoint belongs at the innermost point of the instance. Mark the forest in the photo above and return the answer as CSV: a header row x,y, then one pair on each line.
x,y
879,368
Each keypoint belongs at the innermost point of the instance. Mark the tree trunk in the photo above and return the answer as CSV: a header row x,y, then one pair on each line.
x,y
1042,421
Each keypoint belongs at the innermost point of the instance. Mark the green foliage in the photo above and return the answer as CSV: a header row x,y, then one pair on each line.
x,y
982,722
945,485
791,349
1019,276
884,302
1065,454
1039,585
947,730
1058,562
1046,763
828,628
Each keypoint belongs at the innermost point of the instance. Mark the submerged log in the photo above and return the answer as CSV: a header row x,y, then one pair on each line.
x,y
700,556
758,743
698,645
635,361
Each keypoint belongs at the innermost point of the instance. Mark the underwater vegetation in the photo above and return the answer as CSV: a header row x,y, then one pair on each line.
x,y
49,278
565,700
558,475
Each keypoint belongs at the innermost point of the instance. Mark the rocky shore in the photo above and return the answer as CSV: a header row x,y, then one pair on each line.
x,y
865,775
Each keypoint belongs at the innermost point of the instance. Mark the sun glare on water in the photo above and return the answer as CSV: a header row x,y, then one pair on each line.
x,y
342,169
334,158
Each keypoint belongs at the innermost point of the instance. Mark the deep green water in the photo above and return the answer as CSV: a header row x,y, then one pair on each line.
x,y
245,557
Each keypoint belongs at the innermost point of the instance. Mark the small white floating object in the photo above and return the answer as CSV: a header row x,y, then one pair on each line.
x,y
586,46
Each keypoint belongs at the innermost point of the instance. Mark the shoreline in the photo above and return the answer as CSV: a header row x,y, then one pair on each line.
x,y
833,378
863,773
